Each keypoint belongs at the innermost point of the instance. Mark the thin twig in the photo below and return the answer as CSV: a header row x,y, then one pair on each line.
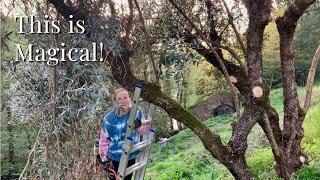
x,y
233,54
112,8
234,28
271,136
312,9
30,154
227,48
312,73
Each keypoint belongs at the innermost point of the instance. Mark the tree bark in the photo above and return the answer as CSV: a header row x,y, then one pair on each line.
x,y
293,113
239,168
241,129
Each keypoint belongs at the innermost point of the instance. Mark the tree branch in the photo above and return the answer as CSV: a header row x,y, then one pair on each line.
x,y
293,114
312,73
188,36
273,118
241,83
259,16
233,54
293,13
313,9
30,154
269,131
112,8
286,26
241,129
130,21
148,43
244,50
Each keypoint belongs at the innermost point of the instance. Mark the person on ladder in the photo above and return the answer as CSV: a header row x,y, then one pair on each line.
x,y
112,133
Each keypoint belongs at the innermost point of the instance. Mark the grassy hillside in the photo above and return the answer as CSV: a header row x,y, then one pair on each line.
x,y
185,157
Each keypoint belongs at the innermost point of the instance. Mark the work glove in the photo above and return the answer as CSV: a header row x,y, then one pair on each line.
x,y
111,175
106,164
136,124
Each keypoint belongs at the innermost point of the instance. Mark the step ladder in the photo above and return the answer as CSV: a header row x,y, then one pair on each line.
x,y
145,143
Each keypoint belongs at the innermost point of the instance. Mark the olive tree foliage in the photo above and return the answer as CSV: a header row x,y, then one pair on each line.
x,y
63,104
137,30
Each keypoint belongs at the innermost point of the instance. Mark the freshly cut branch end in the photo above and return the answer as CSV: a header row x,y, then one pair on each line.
x,y
233,79
257,91
193,32
302,159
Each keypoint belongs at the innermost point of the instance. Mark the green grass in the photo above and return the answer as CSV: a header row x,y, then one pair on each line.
x,y
185,157
261,163
276,97
186,139
311,144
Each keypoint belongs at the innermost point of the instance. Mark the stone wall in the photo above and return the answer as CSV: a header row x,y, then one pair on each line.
x,y
220,103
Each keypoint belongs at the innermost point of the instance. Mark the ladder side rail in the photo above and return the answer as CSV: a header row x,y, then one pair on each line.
x,y
127,142
141,157
145,137
139,175
145,158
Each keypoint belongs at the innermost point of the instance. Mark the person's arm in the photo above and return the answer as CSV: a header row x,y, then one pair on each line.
x,y
104,142
144,127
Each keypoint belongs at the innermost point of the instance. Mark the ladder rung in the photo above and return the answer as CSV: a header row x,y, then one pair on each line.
x,y
135,167
140,145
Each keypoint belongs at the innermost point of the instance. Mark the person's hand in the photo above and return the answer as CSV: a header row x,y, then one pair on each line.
x,y
111,174
106,164
137,124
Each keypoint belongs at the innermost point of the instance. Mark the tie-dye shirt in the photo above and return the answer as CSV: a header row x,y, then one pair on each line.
x,y
112,134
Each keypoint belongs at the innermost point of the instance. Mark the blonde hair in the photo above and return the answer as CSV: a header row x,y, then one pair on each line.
x,y
118,91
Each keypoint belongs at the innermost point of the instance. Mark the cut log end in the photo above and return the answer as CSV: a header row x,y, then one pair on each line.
x,y
233,79
257,91
193,32
302,159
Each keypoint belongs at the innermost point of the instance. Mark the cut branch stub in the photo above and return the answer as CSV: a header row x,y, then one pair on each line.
x,y
233,79
302,159
257,91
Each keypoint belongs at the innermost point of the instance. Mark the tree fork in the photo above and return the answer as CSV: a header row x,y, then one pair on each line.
x,y
294,114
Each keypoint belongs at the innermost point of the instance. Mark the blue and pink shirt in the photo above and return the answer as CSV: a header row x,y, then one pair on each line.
x,y
112,134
